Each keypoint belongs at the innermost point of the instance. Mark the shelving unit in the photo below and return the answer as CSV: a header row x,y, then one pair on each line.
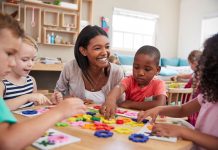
x,y
69,20
12,9
40,19
51,18
32,22
68,37
86,13
55,7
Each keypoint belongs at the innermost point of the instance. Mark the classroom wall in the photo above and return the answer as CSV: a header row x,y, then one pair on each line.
x,y
167,29
168,11
191,14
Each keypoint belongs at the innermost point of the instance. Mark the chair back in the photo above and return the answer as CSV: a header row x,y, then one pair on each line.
x,y
182,94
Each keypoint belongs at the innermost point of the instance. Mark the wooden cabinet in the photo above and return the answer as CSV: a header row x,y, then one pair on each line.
x,y
11,8
49,24
67,37
86,13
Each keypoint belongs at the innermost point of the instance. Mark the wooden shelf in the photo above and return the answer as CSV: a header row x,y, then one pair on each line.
x,y
32,22
11,8
47,67
64,31
65,45
66,38
51,18
40,20
41,4
69,20
86,8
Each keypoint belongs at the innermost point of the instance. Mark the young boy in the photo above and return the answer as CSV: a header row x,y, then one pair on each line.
x,y
19,135
142,90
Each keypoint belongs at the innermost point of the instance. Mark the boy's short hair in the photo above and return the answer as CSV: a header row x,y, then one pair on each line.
x,y
8,22
30,41
150,50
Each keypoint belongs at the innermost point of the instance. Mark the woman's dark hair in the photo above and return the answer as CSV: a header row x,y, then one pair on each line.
x,y
207,70
83,39
7,22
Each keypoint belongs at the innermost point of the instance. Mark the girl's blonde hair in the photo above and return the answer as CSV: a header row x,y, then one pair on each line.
x,y
194,56
30,41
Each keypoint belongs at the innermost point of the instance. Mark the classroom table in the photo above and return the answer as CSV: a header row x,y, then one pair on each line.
x,y
116,142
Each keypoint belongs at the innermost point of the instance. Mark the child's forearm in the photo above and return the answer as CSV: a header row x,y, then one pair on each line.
x,y
114,94
199,138
171,111
184,76
15,103
144,105
180,111
13,132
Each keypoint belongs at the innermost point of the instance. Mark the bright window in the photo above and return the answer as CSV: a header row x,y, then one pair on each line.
x,y
131,29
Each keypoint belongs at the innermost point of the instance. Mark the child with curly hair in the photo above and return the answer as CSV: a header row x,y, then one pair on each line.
x,y
205,134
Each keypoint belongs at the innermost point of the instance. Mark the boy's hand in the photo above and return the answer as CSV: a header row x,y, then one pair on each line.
x,y
168,130
38,99
71,106
108,109
153,113
56,97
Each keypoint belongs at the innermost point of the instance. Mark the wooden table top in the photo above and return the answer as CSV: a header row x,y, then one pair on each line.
x,y
116,142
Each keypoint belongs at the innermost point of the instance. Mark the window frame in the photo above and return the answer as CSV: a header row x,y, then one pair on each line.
x,y
130,13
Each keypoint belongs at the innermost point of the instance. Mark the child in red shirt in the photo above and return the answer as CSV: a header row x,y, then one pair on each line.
x,y
142,90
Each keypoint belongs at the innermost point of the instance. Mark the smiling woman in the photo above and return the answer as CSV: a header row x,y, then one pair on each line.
x,y
90,76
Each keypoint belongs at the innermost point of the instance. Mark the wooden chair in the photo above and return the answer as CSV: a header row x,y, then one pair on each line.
x,y
176,94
